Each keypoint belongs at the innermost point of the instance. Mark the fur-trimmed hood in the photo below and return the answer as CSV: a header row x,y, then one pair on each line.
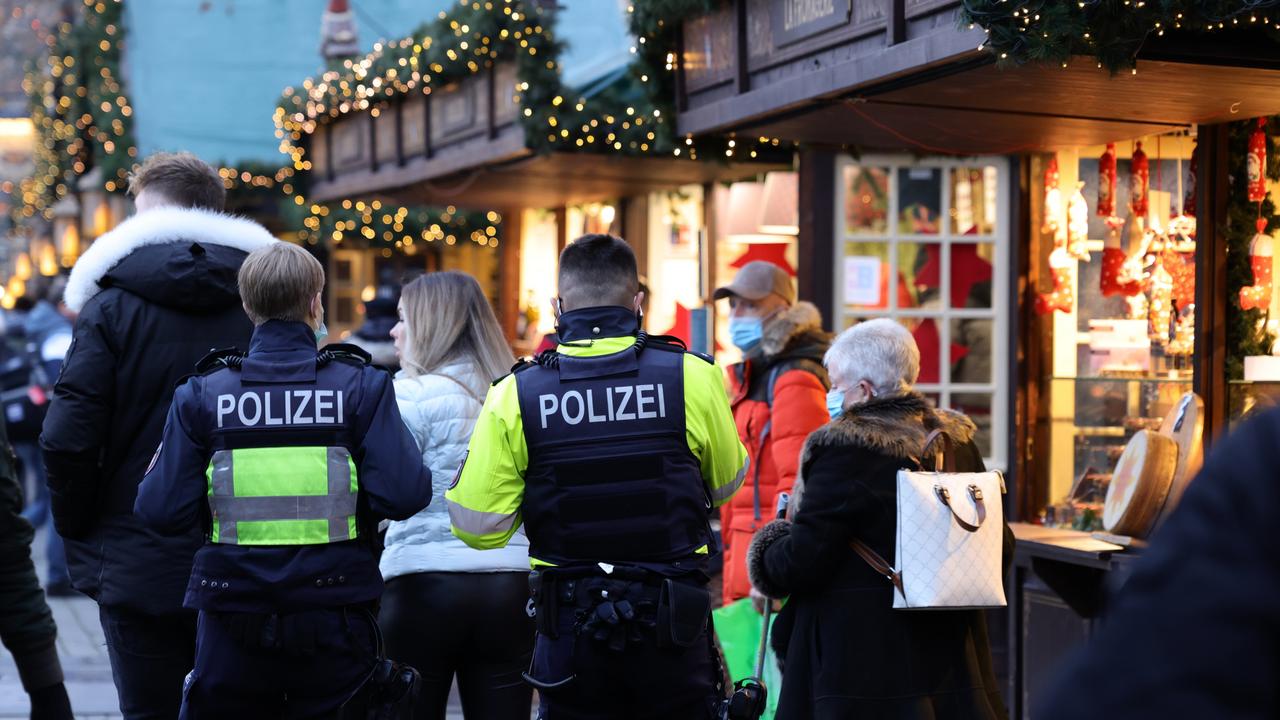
x,y
893,425
172,256
799,324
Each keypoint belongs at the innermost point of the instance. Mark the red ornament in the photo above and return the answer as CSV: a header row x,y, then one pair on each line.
x,y
1139,180
1189,204
1061,299
1107,182
1257,163
1258,295
1116,278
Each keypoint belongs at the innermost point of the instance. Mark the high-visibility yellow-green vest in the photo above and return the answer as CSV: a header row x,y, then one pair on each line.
x,y
282,496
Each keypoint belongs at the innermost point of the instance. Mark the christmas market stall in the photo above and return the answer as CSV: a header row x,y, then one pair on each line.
x,y
1069,205
469,119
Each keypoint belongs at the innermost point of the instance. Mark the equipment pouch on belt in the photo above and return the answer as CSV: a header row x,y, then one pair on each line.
x,y
682,613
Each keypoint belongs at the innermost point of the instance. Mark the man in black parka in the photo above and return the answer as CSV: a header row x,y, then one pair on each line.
x,y
154,296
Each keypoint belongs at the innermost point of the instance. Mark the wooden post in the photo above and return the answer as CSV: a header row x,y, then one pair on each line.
x,y
562,228
1210,357
742,78
898,22
509,271
817,238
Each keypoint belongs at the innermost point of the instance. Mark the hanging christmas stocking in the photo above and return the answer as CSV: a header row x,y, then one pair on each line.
x,y
1078,225
1116,266
1061,299
1258,295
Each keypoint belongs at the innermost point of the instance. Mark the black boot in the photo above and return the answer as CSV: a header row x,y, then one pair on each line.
x,y
51,703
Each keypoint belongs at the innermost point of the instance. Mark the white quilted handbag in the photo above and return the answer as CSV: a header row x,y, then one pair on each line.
x,y
950,538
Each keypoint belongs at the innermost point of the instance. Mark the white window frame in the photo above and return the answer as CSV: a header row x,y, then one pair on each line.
x,y
1000,311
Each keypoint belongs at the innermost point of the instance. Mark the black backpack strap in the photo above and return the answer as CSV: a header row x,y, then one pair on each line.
x,y
230,358
343,352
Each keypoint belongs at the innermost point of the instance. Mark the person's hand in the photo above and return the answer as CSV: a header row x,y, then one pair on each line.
x,y
758,599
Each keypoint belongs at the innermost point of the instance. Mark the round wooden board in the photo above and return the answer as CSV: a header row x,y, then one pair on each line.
x,y
1140,484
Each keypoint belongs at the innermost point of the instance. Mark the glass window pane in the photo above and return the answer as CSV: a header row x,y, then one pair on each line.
x,y
971,357
928,336
971,274
977,406
973,200
866,200
919,200
866,277
920,275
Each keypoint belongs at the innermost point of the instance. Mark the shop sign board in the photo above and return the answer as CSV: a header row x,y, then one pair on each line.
x,y
795,20
862,280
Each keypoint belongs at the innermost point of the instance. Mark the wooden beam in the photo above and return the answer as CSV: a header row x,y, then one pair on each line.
x,y
1027,354
509,271
373,142
816,242
562,228
426,130
1210,357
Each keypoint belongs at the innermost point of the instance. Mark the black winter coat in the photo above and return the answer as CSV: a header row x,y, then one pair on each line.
x,y
1195,632
154,296
850,654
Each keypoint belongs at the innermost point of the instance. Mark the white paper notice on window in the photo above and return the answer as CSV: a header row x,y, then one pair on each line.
x,y
862,280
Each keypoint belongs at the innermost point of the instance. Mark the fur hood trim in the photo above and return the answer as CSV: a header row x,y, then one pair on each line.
x,y
798,319
161,226
896,425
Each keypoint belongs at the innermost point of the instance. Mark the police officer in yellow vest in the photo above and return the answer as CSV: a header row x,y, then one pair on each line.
x,y
289,457
612,452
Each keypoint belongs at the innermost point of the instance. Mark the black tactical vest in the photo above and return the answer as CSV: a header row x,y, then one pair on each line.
x,y
611,477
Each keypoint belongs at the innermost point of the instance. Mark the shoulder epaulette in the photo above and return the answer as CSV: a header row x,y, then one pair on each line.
x,y
521,365
218,359
703,357
343,352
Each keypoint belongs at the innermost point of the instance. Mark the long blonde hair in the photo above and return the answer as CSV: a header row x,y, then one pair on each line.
x,y
447,318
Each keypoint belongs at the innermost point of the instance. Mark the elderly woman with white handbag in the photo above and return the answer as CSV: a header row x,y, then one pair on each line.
x,y
853,650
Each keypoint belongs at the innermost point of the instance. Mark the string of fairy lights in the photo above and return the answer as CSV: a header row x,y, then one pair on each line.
x,y
1111,31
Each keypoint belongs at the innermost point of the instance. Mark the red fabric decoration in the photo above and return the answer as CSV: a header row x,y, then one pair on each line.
x,y
1256,163
967,269
1139,180
1258,295
1061,299
775,253
1107,182
683,326
929,342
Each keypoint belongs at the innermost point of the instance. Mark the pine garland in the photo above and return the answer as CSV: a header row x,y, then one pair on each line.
x,y
1246,329
1111,31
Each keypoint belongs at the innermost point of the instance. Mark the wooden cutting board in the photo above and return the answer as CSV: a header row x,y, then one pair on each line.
x,y
1140,484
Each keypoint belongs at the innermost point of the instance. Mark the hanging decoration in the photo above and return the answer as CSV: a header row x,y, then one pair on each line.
x,y
1139,180
1189,202
1078,225
1256,162
1119,274
1160,305
1247,331
1061,298
1054,209
1107,182
1258,295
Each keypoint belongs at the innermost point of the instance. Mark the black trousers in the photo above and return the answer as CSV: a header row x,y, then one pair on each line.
x,y
303,665
150,655
472,625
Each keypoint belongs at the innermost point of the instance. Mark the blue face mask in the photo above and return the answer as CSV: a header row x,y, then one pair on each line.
x,y
746,332
835,403
322,332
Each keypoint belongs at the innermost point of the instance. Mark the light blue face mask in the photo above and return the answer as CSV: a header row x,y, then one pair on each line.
x,y
322,332
746,332
835,403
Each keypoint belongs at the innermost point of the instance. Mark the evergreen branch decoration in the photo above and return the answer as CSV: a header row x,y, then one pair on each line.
x,y
1247,333
1111,31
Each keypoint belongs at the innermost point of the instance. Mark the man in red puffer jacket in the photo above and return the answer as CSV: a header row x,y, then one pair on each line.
x,y
778,394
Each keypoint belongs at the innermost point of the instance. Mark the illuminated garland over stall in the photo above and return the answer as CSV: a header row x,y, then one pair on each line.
x,y
1111,31
475,36
81,113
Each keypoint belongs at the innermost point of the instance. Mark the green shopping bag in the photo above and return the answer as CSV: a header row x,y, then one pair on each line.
x,y
738,628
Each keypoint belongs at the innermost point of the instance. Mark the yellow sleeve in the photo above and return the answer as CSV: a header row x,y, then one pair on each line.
x,y
710,430
484,501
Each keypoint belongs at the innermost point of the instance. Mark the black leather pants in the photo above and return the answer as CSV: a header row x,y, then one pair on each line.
x,y
472,625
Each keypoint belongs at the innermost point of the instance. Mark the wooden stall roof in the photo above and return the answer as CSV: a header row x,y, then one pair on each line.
x,y
982,109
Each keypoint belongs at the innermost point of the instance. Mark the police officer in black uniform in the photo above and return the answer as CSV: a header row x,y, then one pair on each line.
x,y
612,450
289,457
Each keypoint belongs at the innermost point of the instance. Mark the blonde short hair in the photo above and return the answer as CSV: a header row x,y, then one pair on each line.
x,y
277,282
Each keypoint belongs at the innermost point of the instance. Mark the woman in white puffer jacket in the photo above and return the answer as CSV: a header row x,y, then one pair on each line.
x,y
448,609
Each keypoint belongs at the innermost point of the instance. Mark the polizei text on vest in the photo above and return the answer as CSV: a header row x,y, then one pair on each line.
x,y
283,407
618,403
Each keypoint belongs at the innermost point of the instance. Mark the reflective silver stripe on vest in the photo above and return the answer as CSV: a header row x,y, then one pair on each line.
x,y
725,492
338,506
478,522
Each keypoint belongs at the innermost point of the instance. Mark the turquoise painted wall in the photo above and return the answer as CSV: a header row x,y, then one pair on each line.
x,y
204,75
